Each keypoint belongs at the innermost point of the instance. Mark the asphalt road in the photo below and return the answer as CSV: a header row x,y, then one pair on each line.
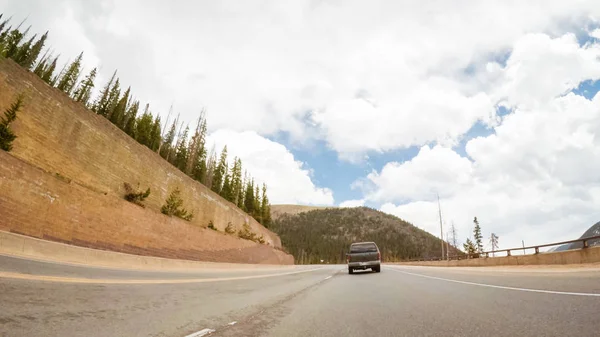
x,y
313,301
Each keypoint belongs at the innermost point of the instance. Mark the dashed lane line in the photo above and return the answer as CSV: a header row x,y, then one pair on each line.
x,y
202,332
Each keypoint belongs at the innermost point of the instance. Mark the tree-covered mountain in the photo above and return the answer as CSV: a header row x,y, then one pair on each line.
x,y
326,234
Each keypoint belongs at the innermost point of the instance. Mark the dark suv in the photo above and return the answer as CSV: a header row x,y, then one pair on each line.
x,y
364,255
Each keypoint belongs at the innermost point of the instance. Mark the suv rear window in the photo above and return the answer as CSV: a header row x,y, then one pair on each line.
x,y
363,248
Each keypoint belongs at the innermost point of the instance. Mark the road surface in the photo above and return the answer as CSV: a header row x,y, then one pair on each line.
x,y
48,299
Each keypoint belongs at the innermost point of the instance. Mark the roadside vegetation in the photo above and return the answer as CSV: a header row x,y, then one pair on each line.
x,y
135,196
247,234
7,136
174,206
182,145
211,225
230,229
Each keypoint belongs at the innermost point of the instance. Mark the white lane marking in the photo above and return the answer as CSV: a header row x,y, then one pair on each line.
x,y
202,332
328,277
232,323
501,287
64,279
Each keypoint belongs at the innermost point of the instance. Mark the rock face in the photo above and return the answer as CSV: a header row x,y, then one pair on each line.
x,y
62,140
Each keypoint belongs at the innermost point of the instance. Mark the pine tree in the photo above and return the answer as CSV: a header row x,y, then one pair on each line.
x,y
199,168
3,35
41,66
131,118
12,43
181,153
35,51
265,208
161,144
3,32
249,198
241,199
477,236
10,115
143,128
196,146
174,206
257,202
24,51
84,91
165,148
48,73
68,79
54,81
470,248
155,134
236,180
211,165
226,191
103,101
114,98
220,171
117,116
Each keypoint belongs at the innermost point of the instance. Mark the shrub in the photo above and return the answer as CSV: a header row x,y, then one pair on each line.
x,y
6,134
229,229
211,225
174,206
134,196
247,234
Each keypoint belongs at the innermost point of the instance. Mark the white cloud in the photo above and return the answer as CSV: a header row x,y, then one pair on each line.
x,y
541,68
595,33
352,203
373,76
288,181
536,178
422,177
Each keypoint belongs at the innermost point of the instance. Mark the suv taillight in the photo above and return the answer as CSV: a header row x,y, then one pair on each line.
x,y
347,258
378,255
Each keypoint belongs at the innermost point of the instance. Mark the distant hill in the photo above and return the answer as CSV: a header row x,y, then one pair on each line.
x,y
325,234
278,210
594,230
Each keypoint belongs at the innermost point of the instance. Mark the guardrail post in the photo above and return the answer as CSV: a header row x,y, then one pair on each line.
x,y
585,244
508,252
487,254
537,250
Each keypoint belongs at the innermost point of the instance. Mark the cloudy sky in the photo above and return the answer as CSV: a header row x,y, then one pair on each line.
x,y
490,104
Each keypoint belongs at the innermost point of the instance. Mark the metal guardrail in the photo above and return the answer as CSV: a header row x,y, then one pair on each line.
x,y
486,254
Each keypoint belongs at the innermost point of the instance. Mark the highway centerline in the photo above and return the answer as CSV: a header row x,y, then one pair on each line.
x,y
499,287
